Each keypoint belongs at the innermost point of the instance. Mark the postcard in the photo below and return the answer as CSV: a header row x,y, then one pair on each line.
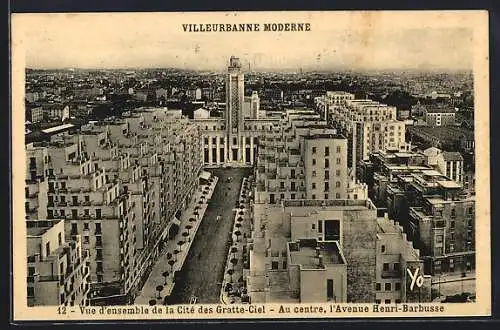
x,y
250,165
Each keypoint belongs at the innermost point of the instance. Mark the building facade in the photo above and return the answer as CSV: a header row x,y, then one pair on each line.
x,y
57,269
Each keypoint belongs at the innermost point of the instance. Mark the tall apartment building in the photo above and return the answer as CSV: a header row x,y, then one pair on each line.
x,y
435,211
57,269
396,258
443,224
369,126
121,185
325,166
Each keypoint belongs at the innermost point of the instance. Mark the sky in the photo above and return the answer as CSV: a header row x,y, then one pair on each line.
x,y
337,40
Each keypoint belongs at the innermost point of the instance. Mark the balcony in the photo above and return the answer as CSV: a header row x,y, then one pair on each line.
x,y
62,204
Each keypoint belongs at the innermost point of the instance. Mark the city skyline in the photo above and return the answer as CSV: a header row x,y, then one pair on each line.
x,y
156,40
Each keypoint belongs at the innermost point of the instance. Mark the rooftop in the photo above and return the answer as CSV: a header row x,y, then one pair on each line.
x,y
311,254
324,136
452,156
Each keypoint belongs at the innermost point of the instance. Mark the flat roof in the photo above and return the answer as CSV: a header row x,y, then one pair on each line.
x,y
448,184
305,253
431,173
57,128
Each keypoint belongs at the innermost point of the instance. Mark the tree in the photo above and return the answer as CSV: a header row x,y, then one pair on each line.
x,y
185,234
238,234
171,262
165,275
159,288
239,219
180,243
238,225
234,261
169,255
230,272
152,302
234,249
188,227
176,252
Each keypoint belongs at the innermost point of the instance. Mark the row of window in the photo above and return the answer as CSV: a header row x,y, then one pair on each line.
x,y
327,150
327,161
388,286
327,173
326,186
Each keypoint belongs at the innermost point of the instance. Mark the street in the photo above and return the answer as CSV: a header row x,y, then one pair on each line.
x,y
204,269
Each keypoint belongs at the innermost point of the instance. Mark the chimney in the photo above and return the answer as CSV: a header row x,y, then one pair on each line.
x,y
320,260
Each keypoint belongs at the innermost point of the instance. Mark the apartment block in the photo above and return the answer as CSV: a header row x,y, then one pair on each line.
x,y
57,269
120,184
396,260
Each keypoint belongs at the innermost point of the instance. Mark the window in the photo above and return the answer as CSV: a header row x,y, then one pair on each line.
x,y
386,266
329,289
398,286
327,174
47,249
313,196
397,266
398,301
284,264
378,301
74,229
99,278
377,286
327,186
314,161
439,239
327,151
453,213
274,265
337,172
338,149
313,185
326,196
313,150
59,238
282,184
86,239
387,301
337,184
327,163
320,226
338,161
387,286
313,173
452,224
98,213
337,196
292,174
97,228
313,226
292,196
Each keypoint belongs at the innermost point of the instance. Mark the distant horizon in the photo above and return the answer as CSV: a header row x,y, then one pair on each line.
x,y
261,70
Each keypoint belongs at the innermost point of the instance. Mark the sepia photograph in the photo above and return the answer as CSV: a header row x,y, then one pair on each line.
x,y
250,165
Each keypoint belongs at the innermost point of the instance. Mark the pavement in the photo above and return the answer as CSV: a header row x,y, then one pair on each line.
x,y
156,278
202,275
236,279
